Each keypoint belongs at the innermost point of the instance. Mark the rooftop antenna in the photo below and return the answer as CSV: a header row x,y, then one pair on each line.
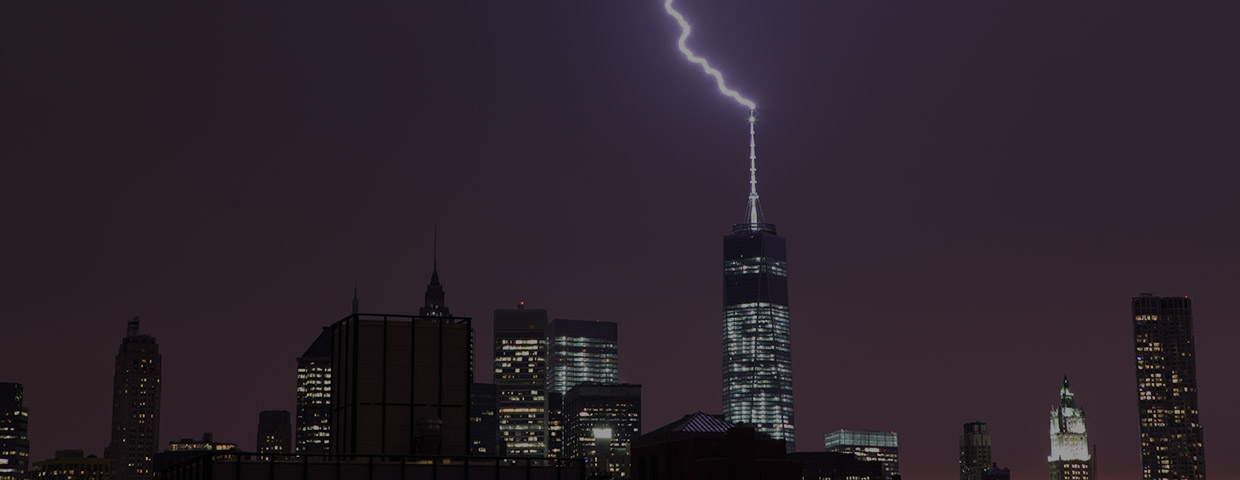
x,y
753,211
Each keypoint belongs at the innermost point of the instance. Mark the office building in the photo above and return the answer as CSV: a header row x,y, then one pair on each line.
x,y
274,432
207,444
1069,458
73,465
602,420
996,473
974,451
314,393
521,380
1172,443
135,406
836,466
868,445
483,431
14,442
244,466
578,351
757,335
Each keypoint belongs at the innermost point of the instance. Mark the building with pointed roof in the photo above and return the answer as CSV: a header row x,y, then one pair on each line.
x,y
701,445
1069,458
757,334
314,394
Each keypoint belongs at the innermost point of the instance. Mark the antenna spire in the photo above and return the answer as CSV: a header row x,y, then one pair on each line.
x,y
753,212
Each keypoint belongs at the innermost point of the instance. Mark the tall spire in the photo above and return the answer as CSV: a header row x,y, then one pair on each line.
x,y
753,211
355,304
435,303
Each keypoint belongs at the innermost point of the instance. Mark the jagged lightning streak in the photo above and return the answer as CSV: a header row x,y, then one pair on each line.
x,y
684,35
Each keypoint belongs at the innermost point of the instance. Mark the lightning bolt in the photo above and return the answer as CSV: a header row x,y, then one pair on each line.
x,y
684,34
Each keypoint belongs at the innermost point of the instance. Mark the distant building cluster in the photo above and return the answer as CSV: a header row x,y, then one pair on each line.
x,y
395,396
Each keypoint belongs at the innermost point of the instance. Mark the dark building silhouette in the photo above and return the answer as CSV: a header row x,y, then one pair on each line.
x,y
837,466
314,394
400,383
14,442
578,351
868,445
187,449
996,473
1172,444
757,335
274,432
701,445
73,465
135,406
521,380
602,420
483,431
974,451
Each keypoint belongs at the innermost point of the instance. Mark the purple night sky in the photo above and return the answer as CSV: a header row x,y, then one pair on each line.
x,y
971,192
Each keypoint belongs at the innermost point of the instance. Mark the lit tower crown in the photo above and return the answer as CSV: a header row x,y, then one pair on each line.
x,y
1069,442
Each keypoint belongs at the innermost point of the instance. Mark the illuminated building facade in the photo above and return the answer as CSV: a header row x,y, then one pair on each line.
x,y
483,433
274,432
14,443
757,335
867,445
135,406
1171,435
1069,459
974,451
601,422
314,394
73,465
207,444
521,381
578,351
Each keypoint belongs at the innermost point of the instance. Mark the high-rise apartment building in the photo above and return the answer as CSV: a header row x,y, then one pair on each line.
x,y
1069,458
400,383
868,445
578,351
601,422
757,335
483,432
135,406
974,451
14,443
521,380
73,465
1172,445
314,394
275,432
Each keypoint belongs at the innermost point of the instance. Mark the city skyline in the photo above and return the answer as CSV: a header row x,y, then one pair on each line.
x,y
969,193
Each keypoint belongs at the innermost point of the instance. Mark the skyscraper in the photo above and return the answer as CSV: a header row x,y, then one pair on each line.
x,y
135,406
521,380
757,335
578,351
1069,459
868,445
1171,436
974,451
400,383
314,394
274,432
14,444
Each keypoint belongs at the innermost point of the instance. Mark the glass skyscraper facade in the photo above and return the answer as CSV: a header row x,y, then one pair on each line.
x,y
1069,459
757,338
974,451
1171,435
757,331
580,351
867,445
